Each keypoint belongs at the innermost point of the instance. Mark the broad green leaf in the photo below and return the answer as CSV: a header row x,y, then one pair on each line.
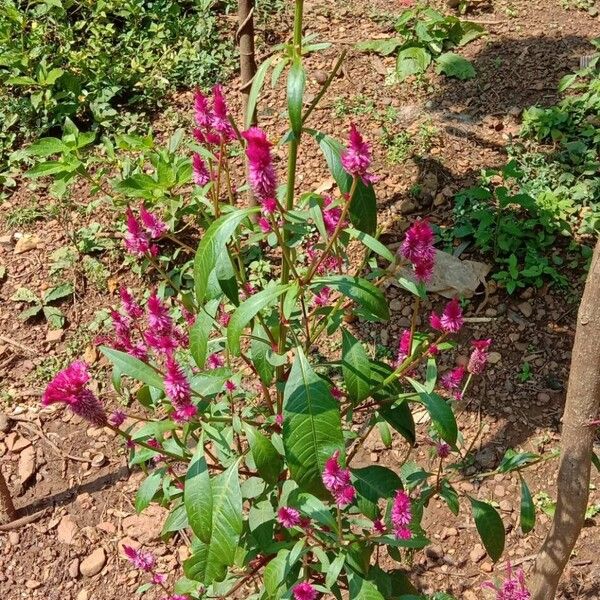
x,y
50,167
312,428
133,367
454,65
384,47
32,311
371,243
210,561
363,209
470,31
514,460
54,316
176,520
334,570
295,93
278,569
257,83
24,294
370,299
212,246
361,589
200,332
197,496
312,507
527,508
248,310
269,463
60,291
490,527
356,367
373,483
46,147
259,352
449,494
412,61
440,412
147,489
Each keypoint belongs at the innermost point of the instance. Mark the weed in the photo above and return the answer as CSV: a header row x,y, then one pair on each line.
x,y
24,215
525,372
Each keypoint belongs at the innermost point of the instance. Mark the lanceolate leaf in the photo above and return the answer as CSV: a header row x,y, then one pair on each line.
x,y
363,210
312,428
371,243
490,527
197,496
280,567
133,367
356,367
361,589
211,247
527,508
147,489
248,310
373,483
257,83
259,351
269,463
295,90
200,331
210,561
370,299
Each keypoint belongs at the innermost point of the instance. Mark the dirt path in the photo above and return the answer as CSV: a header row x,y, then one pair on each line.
x,y
458,128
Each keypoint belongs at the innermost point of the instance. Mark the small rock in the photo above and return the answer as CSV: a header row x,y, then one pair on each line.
x,y
15,442
5,240
320,76
395,305
183,553
55,335
487,567
499,491
505,506
26,466
147,527
26,243
494,358
434,552
543,397
526,309
83,595
4,423
477,554
98,460
486,457
13,538
66,531
107,527
32,584
374,457
74,568
93,564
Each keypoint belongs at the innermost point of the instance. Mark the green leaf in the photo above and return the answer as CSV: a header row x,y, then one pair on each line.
x,y
46,147
248,310
334,570
24,294
54,316
200,332
356,367
197,495
514,460
312,507
176,520
257,83
60,291
147,489
361,589
210,561
373,483
449,494
363,209
259,353
470,31
295,93
269,463
440,412
212,246
527,508
412,61
133,367
278,569
50,167
32,311
454,65
312,428
371,243
490,527
384,47
370,299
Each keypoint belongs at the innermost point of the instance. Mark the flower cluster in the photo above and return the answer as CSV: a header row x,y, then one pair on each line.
x,y
304,591
331,215
144,561
356,159
213,127
479,356
404,349
452,380
513,588
451,319
141,233
418,249
70,386
337,481
401,515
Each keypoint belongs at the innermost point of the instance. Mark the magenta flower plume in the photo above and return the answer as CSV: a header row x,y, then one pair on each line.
x,y
152,224
288,517
145,561
159,319
378,526
513,588
304,591
264,225
260,164
178,390
450,321
337,481
220,120
418,249
479,356
136,241
69,386
452,379
130,307
331,215
323,298
269,205
159,578
200,170
404,349
401,515
117,418
442,450
344,496
356,159
202,113
214,361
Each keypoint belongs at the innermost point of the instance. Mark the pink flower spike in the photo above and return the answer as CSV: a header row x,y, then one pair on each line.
x,y
323,297
452,317
69,386
452,379
331,215
479,356
379,526
185,413
230,386
344,496
220,120
144,561
513,588
264,225
288,517
202,112
435,321
200,170
336,392
159,320
269,206
334,477
117,418
177,386
223,318
418,249
402,533
214,361
401,515
159,578
131,308
304,591
260,164
404,349
153,225
356,159
136,241
442,450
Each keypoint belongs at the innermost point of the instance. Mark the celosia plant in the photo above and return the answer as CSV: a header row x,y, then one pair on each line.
x,y
246,436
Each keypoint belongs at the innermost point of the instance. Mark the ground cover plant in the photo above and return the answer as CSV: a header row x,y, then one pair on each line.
x,y
245,433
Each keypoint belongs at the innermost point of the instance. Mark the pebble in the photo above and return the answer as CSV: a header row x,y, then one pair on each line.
x,y
74,568
32,584
487,567
93,564
499,491
477,554
66,530
494,358
55,335
395,305
543,397
83,595
4,423
13,538
526,309
434,552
